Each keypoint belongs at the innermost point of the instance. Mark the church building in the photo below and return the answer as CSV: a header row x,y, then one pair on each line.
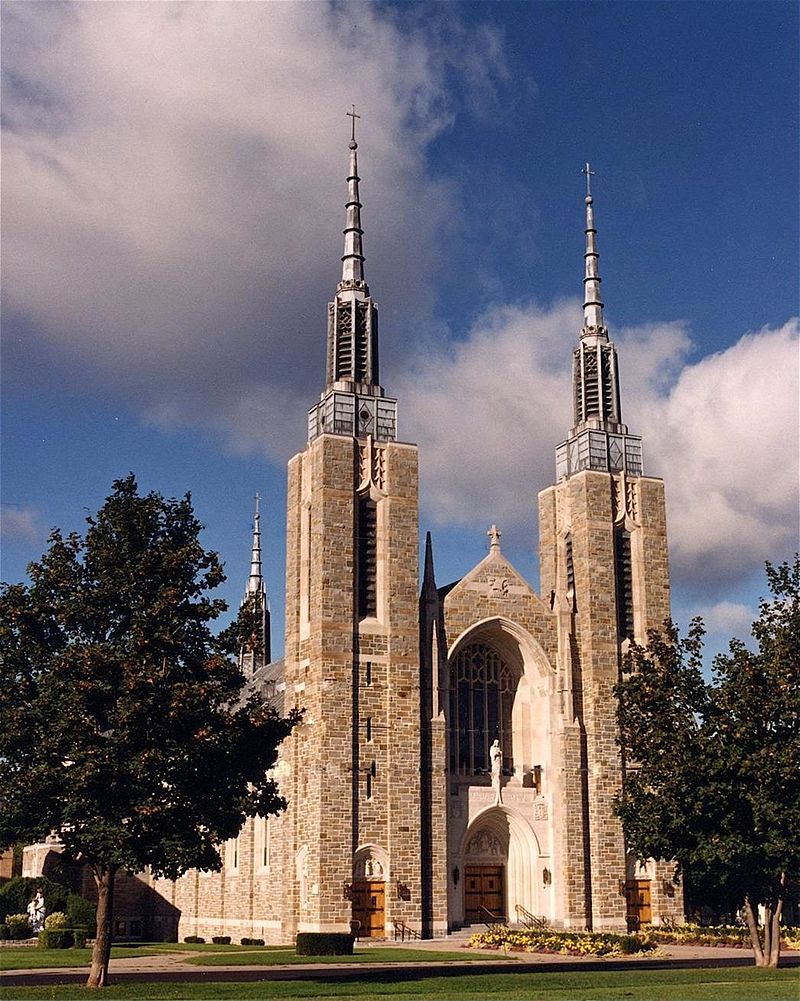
x,y
457,762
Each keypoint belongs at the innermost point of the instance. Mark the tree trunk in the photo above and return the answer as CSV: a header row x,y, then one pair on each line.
x,y
101,953
775,945
751,916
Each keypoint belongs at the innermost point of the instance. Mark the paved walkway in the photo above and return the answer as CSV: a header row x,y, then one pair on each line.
x,y
174,968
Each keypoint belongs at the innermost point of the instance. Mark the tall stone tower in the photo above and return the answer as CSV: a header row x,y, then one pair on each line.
x,y
603,551
352,641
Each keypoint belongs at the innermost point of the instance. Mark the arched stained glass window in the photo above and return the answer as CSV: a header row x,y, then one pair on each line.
x,y
482,687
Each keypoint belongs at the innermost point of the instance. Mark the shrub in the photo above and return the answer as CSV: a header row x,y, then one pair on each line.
x,y
324,944
252,941
56,921
17,893
82,914
79,938
194,939
221,939
56,938
19,926
4,933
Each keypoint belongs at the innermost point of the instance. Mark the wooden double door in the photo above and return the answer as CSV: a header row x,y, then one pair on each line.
x,y
484,890
637,897
369,897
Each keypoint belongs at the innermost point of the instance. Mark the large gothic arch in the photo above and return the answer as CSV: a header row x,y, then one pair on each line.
x,y
502,835
525,730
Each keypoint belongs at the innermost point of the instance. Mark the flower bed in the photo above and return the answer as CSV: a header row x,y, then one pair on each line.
x,y
570,943
723,935
567,943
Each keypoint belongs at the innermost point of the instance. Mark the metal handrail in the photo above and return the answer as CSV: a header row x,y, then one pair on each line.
x,y
403,929
525,917
493,919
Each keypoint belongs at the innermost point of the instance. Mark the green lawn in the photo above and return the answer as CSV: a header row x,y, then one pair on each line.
x,y
228,955
737,984
374,954
39,959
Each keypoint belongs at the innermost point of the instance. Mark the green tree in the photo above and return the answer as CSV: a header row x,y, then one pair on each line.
x,y
124,725
713,777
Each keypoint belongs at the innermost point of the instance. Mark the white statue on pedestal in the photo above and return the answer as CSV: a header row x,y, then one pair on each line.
x,y
496,758
36,912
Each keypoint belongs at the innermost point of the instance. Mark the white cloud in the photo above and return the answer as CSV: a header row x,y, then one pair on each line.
x,y
174,192
725,438
723,431
20,523
729,618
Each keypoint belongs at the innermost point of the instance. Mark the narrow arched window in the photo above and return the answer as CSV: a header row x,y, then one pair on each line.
x,y
570,567
482,687
367,544
623,566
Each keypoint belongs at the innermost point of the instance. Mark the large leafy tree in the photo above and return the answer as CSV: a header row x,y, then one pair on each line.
x,y
124,726
713,774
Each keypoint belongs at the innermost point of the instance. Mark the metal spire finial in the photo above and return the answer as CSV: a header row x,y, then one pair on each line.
x,y
353,256
352,115
255,582
592,301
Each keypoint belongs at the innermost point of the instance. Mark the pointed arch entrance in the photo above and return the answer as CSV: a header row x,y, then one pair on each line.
x,y
500,854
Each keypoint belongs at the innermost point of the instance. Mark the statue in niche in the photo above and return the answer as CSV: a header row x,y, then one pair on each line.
x,y
496,759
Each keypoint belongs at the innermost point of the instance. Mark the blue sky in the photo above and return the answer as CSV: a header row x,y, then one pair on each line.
x,y
173,202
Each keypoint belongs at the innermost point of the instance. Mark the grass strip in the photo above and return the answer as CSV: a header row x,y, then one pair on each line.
x,y
729,984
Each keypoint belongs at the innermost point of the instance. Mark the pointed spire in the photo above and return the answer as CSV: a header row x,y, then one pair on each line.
x,y
255,582
353,257
592,301
428,577
598,439
256,591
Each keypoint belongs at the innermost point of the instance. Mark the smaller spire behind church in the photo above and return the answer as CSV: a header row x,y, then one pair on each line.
x,y
257,651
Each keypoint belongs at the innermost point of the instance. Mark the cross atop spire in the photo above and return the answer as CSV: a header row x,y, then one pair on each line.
x,y
494,534
352,115
587,170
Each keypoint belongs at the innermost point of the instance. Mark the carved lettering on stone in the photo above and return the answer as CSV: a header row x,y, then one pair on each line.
x,y
498,586
540,811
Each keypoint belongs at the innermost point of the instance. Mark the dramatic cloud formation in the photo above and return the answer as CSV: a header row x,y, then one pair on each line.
x,y
170,174
723,431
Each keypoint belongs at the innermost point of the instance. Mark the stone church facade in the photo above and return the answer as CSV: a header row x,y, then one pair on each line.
x,y
457,762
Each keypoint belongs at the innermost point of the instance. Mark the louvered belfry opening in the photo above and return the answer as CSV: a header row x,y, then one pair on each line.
x,y
624,576
367,543
362,373
344,341
570,566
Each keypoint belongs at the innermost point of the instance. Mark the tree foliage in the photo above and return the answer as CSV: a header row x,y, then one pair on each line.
x,y
123,725
713,776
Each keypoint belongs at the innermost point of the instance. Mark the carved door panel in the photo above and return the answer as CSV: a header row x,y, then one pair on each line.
x,y
368,907
637,895
483,888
